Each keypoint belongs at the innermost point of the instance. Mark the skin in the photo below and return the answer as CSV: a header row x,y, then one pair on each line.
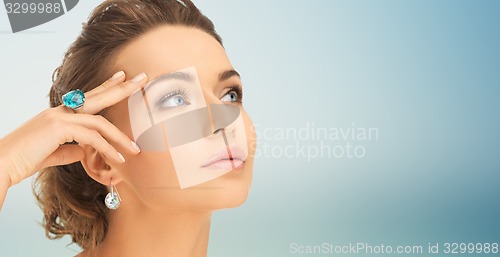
x,y
55,126
156,218
176,222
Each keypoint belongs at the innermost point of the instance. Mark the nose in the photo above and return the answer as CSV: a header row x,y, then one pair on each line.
x,y
229,130
223,117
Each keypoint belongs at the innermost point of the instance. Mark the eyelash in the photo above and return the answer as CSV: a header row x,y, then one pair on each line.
x,y
180,91
238,90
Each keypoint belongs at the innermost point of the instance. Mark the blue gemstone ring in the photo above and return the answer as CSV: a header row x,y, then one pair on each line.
x,y
74,99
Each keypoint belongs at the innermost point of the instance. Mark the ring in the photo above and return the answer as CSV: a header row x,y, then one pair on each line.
x,y
74,99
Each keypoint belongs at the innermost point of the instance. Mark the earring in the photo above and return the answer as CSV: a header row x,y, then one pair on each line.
x,y
112,199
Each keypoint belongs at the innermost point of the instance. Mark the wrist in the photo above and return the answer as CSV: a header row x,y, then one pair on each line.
x,y
5,180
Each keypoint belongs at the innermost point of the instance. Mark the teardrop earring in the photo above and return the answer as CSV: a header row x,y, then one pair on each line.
x,y
112,199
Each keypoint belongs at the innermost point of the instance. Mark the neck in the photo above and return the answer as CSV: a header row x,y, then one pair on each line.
x,y
146,233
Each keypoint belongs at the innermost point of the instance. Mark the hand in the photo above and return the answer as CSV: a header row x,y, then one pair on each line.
x,y
38,143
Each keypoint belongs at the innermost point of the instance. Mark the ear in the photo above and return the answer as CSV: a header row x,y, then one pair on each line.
x,y
99,168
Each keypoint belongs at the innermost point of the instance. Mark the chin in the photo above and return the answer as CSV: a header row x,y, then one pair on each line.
x,y
229,191
234,198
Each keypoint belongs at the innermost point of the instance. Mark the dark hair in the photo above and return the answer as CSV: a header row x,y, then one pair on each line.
x,y
72,202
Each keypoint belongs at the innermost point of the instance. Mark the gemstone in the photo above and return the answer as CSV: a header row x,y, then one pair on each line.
x,y
74,99
112,200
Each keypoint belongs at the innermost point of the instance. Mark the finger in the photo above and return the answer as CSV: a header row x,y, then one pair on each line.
x,y
90,137
112,95
65,154
116,79
105,128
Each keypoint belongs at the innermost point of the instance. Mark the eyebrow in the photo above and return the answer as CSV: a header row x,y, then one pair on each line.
x,y
188,77
178,75
228,74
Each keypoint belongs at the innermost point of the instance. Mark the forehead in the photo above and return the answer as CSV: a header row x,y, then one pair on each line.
x,y
171,48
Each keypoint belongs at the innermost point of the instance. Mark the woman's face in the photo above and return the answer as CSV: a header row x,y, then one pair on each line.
x,y
151,179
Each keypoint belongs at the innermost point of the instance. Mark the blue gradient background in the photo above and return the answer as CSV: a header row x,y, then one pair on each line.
x,y
424,73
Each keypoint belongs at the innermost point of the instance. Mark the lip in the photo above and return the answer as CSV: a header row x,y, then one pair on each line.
x,y
220,159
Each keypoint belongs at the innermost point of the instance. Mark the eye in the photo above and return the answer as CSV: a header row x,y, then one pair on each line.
x,y
172,100
230,97
235,94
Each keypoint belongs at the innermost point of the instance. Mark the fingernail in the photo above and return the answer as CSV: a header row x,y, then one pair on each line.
x,y
139,78
118,75
121,157
136,147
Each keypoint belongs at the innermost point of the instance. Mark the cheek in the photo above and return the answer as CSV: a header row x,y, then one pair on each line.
x,y
152,179
147,172
251,134
151,170
148,169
